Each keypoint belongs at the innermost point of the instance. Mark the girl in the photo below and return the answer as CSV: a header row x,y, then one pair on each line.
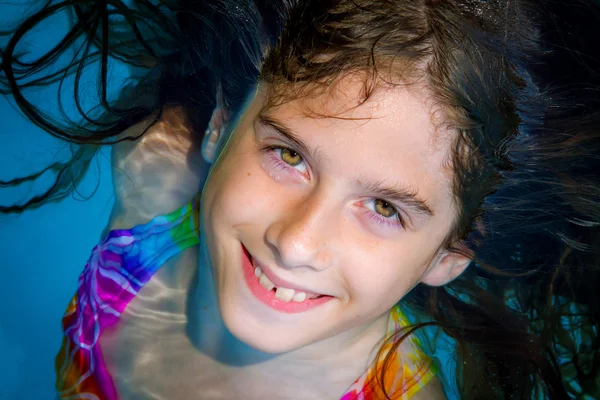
x,y
353,238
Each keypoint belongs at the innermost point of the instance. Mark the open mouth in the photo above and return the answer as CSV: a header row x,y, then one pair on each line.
x,y
278,297
282,293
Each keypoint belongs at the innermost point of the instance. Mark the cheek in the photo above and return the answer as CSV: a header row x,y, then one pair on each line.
x,y
238,190
379,280
380,289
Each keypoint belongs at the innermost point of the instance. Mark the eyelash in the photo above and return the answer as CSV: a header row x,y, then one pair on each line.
x,y
394,222
271,152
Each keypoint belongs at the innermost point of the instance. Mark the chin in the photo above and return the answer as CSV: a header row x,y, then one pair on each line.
x,y
257,333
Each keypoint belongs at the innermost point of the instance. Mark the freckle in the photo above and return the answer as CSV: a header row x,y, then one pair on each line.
x,y
249,174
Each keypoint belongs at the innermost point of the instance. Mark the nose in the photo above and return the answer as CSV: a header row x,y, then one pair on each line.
x,y
302,235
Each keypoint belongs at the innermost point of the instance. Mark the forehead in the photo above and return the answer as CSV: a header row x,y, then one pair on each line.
x,y
406,112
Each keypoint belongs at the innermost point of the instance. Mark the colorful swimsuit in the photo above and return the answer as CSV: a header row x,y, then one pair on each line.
x,y
124,262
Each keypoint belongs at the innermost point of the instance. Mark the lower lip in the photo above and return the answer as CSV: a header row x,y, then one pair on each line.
x,y
268,296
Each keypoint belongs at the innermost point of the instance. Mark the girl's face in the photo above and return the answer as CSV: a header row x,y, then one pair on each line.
x,y
353,209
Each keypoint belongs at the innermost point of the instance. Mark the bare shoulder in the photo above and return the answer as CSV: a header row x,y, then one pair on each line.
x,y
158,172
433,390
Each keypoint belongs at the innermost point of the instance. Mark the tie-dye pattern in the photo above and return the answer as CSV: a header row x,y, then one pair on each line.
x,y
124,262
407,370
115,272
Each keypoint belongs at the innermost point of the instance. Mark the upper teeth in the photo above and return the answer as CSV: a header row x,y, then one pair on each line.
x,y
283,294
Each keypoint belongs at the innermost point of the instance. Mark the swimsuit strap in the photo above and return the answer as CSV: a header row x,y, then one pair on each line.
x,y
117,269
407,367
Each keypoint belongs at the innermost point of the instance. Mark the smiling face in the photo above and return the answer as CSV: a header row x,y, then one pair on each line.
x,y
353,209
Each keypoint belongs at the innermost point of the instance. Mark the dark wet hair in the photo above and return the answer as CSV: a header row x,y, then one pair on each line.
x,y
199,45
518,80
525,170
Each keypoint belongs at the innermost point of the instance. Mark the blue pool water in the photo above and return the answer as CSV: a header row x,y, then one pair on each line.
x,y
42,251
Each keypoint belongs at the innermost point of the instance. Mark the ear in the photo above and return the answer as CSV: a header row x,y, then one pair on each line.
x,y
214,131
445,267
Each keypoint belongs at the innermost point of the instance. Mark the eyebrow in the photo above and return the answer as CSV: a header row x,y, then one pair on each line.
x,y
394,193
400,194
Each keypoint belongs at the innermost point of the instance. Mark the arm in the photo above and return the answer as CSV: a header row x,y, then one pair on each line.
x,y
152,176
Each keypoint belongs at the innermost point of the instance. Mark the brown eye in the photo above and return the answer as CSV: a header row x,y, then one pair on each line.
x,y
290,157
385,209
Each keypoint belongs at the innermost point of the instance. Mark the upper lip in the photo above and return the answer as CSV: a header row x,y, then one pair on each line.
x,y
278,281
